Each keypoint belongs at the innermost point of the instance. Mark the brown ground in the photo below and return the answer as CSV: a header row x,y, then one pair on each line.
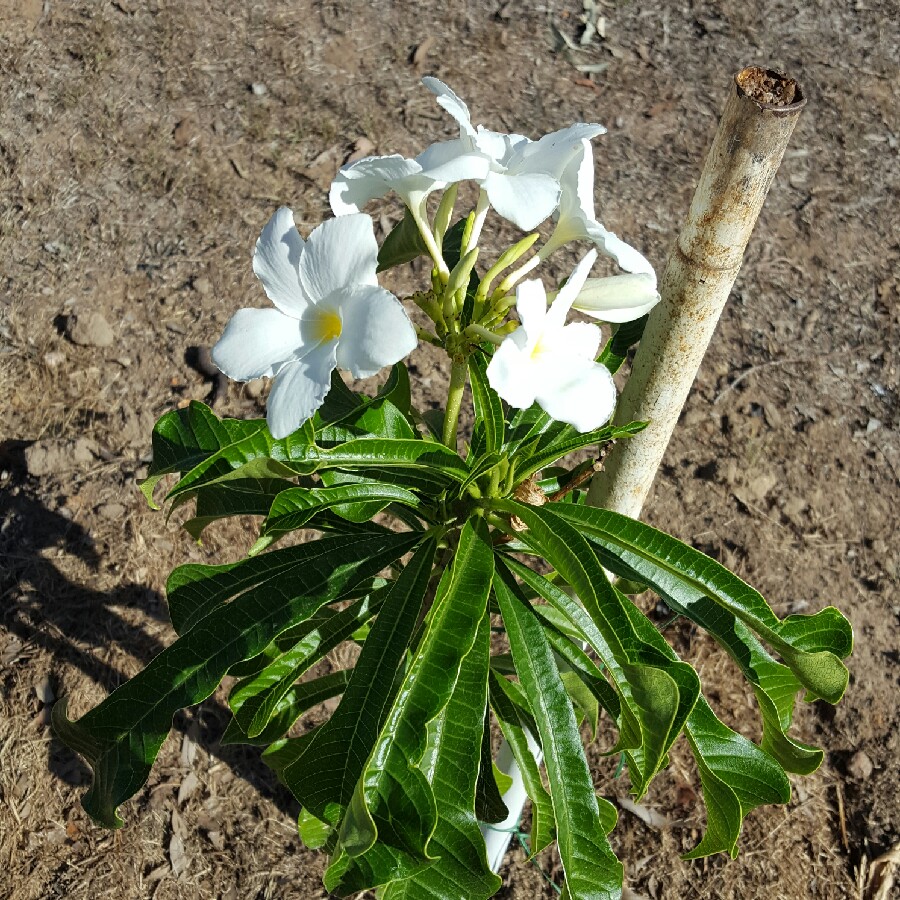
x,y
137,166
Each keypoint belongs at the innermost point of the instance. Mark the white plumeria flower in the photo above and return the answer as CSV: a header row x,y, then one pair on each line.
x,y
619,298
522,181
329,313
548,361
374,176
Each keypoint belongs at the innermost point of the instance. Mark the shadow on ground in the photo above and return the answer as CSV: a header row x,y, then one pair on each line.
x,y
44,608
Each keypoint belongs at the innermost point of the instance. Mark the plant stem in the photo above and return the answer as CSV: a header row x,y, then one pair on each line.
x,y
484,334
458,372
480,213
433,250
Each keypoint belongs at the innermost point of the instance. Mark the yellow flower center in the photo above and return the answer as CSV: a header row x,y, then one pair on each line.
x,y
328,325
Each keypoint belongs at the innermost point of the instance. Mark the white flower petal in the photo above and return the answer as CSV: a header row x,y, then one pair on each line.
x,y
340,253
553,152
624,254
576,391
511,372
499,146
450,102
578,340
376,331
375,176
454,160
276,261
526,200
556,317
531,307
256,342
619,298
299,390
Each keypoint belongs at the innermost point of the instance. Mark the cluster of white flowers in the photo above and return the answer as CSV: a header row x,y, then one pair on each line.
x,y
331,313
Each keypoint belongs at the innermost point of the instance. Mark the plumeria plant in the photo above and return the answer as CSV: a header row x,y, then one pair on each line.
x,y
482,592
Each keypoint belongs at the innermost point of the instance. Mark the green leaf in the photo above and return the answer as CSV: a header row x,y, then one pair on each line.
x,y
376,417
313,832
592,689
419,464
516,729
393,813
568,441
298,699
121,737
185,438
591,869
659,691
736,775
624,337
326,773
242,497
402,245
293,509
451,765
347,414
489,421
621,713
254,700
812,646
489,805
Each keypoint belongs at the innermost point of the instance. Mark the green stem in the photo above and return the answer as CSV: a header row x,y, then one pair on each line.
x,y
430,242
484,334
458,372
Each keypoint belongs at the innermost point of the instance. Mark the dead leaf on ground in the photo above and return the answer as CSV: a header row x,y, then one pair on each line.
x,y
363,147
420,54
323,168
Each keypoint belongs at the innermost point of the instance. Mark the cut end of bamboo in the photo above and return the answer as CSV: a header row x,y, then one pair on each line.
x,y
770,90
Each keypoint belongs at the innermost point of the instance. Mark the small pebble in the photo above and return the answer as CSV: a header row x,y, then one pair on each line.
x,y
860,766
90,330
54,359
111,510
259,88
202,285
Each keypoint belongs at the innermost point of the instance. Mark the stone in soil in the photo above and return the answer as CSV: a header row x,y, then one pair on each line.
x,y
89,330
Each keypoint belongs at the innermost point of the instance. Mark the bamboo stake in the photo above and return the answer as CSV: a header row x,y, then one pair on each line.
x,y
762,109
759,116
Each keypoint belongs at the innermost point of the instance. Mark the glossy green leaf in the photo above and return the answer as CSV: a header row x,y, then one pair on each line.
x,y
489,422
292,509
403,244
659,691
489,805
422,463
736,775
451,765
812,646
184,439
393,813
313,832
254,700
298,699
516,729
624,337
568,440
326,773
242,497
121,737
591,869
